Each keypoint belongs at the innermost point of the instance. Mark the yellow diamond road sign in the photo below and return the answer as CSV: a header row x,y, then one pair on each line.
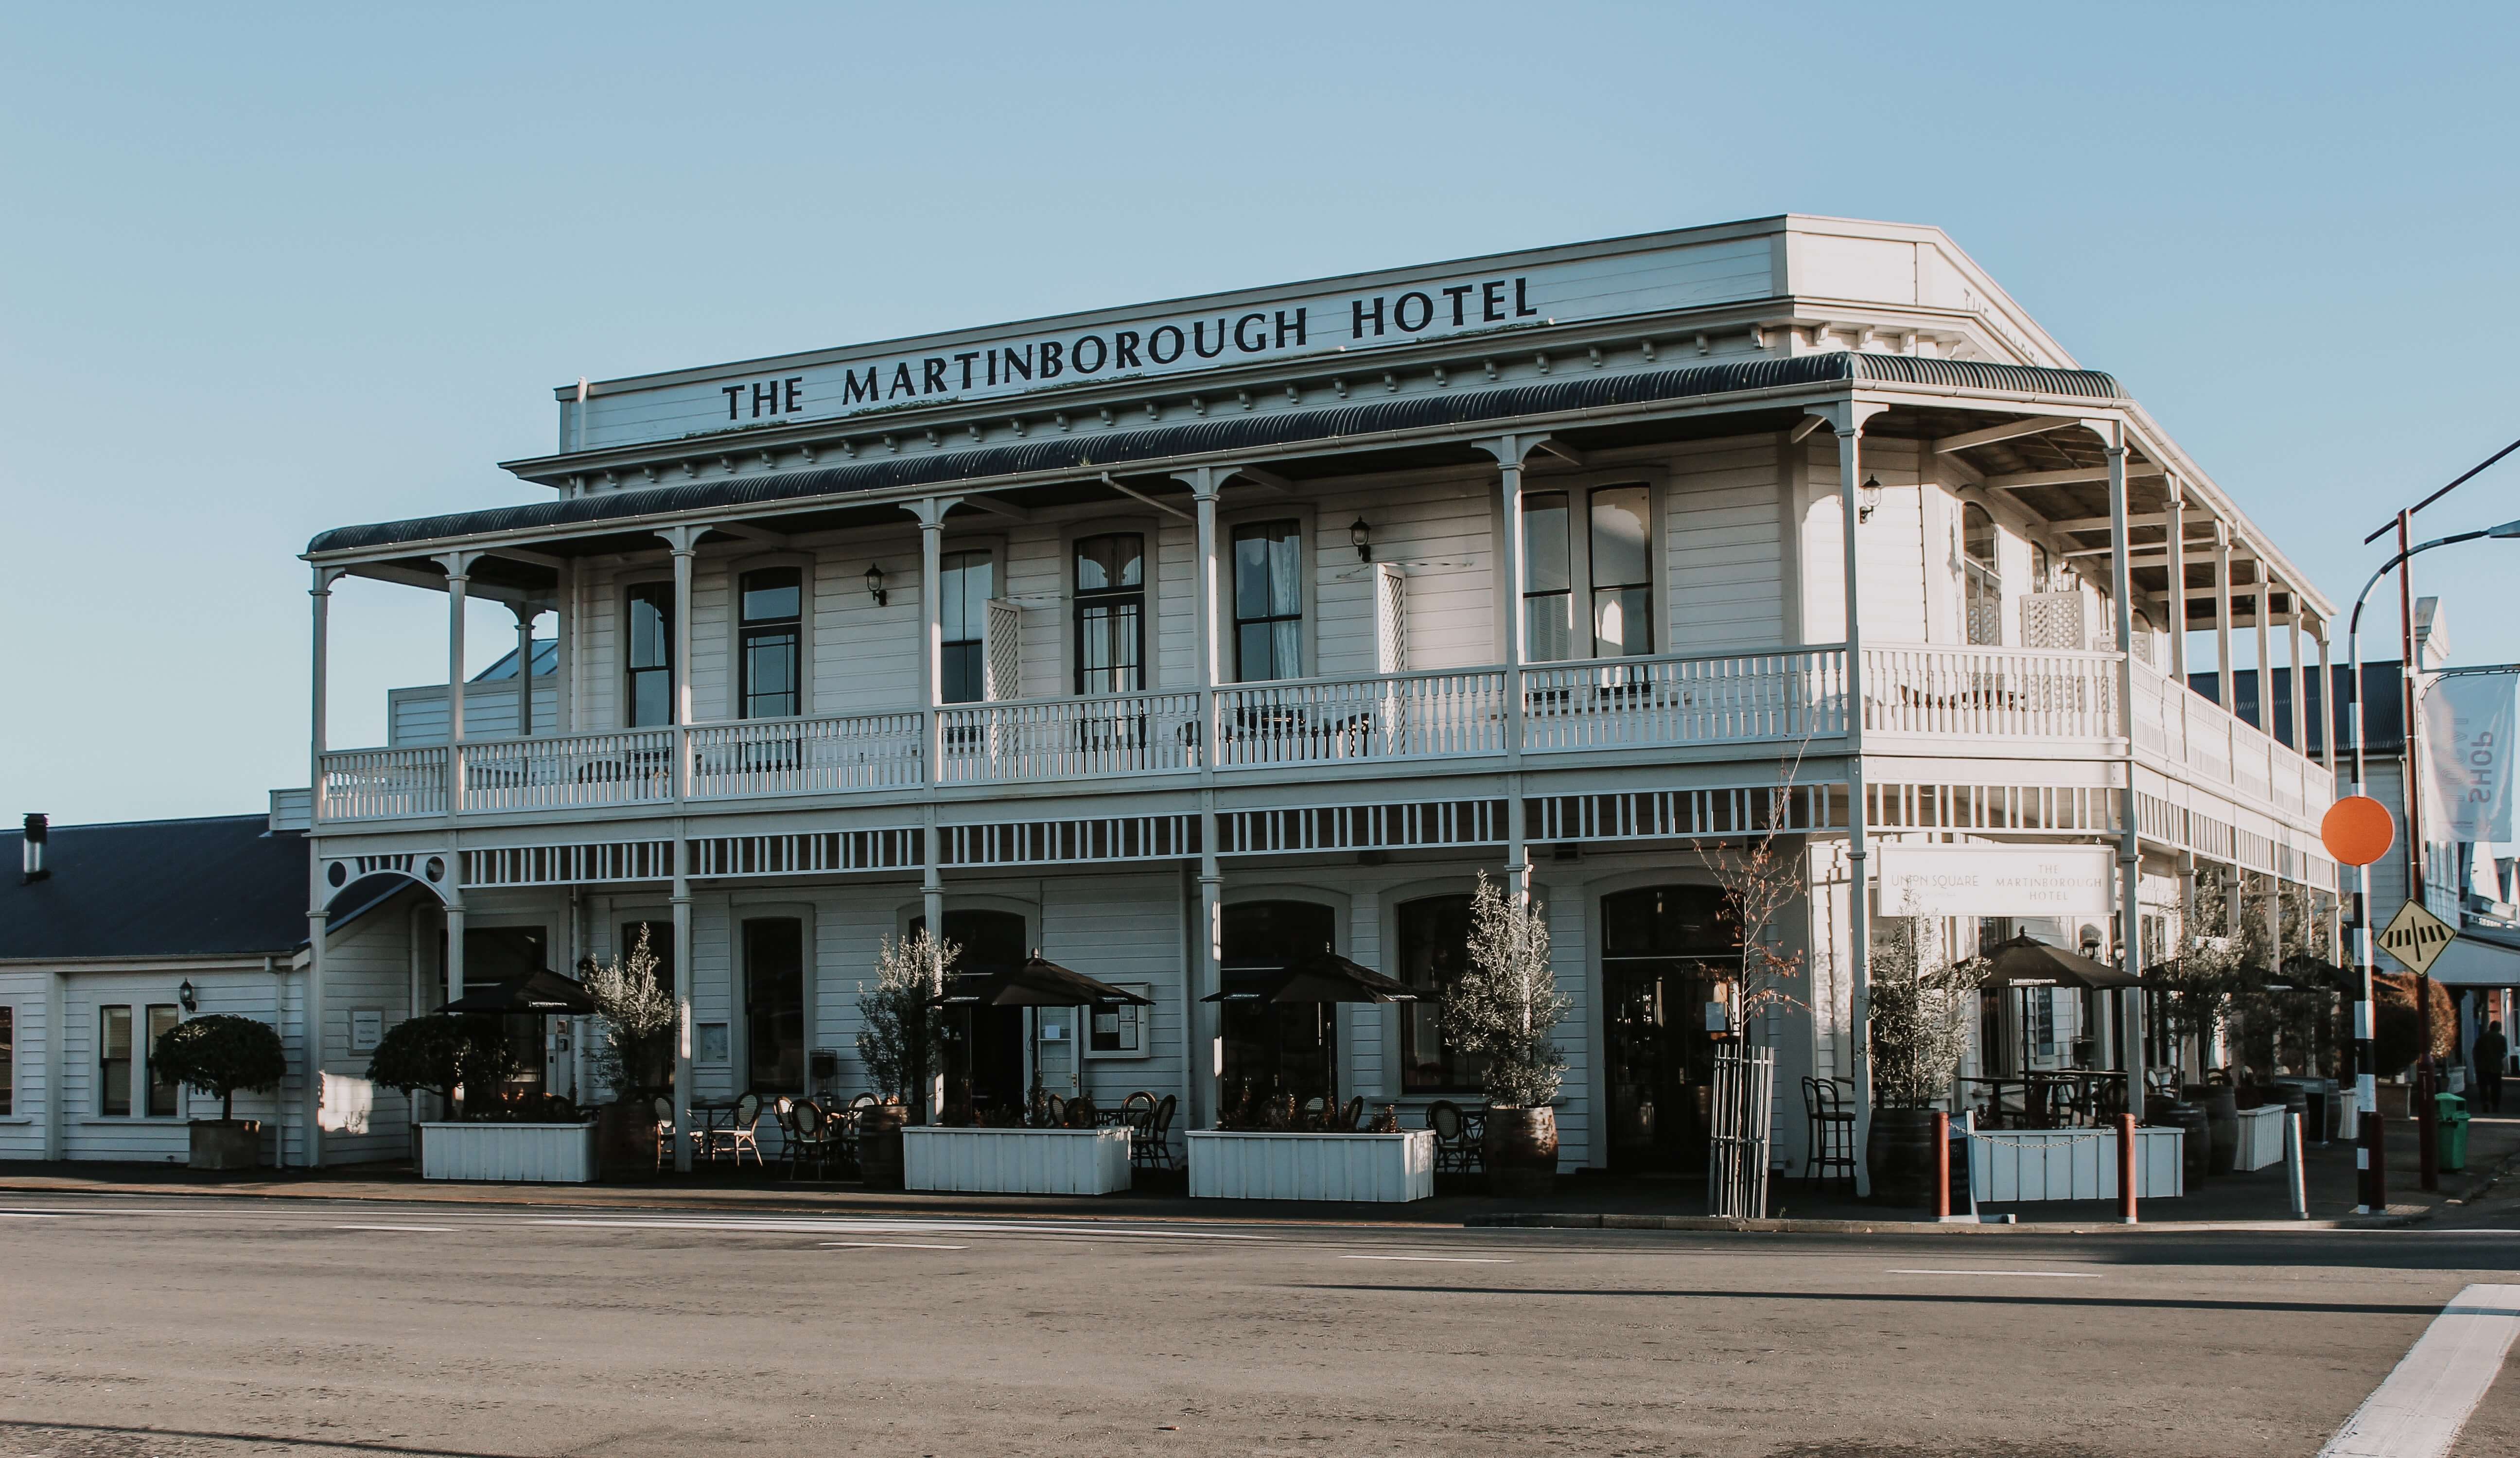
x,y
2416,936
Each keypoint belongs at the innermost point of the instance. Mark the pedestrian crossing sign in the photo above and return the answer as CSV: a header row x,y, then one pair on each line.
x,y
2416,936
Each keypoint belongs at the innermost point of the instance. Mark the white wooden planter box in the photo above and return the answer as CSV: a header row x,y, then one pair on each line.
x,y
2262,1137
1015,1162
545,1153
1262,1165
2009,1167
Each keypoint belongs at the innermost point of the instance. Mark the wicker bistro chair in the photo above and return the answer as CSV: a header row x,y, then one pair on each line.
x,y
1151,1143
809,1139
663,1109
1455,1152
744,1133
1080,1111
1352,1118
1137,1109
1832,1145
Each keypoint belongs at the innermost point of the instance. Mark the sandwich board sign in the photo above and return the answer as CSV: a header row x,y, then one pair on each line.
x,y
2416,936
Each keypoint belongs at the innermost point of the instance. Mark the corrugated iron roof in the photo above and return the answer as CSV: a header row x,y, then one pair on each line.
x,y
1119,449
224,886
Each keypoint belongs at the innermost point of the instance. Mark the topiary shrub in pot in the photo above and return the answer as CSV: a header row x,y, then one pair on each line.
x,y
1921,1009
1504,1004
222,1055
441,1055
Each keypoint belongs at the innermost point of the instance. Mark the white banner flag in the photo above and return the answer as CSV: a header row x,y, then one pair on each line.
x,y
2468,724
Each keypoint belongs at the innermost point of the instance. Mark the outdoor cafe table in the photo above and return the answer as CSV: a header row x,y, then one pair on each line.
x,y
2048,1097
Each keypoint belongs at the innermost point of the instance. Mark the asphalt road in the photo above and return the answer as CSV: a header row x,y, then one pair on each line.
x,y
208,1326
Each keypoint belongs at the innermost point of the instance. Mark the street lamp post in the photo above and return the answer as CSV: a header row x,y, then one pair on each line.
x,y
2365,1076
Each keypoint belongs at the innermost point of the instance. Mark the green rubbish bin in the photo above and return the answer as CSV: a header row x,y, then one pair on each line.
x,y
2452,1144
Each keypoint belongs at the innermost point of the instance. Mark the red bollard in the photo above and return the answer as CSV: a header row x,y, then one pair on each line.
x,y
2125,1169
1941,1165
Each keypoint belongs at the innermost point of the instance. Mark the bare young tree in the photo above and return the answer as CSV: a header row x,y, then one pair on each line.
x,y
638,1016
1760,885
901,1039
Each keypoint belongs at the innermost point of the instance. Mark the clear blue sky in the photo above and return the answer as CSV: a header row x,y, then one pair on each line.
x,y
272,270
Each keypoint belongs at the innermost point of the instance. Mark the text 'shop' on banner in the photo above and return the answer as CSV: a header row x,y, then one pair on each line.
x,y
2468,724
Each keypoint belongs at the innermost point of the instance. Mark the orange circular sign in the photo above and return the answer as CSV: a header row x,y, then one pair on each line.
x,y
2358,830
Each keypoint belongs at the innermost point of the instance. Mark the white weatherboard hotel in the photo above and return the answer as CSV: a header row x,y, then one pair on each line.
x,y
1215,631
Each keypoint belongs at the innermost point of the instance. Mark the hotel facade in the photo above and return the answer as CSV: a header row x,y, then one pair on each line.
x,y
1186,634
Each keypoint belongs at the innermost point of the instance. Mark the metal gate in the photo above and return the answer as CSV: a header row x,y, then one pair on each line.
x,y
1738,1120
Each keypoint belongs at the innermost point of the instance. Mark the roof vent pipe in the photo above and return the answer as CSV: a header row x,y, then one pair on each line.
x,y
38,828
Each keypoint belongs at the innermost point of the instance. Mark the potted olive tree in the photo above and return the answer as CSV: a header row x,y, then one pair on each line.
x,y
635,1055
1921,1008
220,1054
901,1040
1505,1005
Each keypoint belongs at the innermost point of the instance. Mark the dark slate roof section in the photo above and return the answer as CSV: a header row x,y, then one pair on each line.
x,y
227,885
1118,449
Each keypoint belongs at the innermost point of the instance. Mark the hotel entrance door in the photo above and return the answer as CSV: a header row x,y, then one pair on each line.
x,y
1666,952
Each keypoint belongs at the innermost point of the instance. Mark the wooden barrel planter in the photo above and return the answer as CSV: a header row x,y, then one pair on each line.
x,y
1899,1154
2197,1149
880,1145
1519,1149
2223,1123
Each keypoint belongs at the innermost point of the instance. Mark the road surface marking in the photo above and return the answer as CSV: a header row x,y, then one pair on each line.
x,y
1941,1271
889,1246
433,1229
889,1227
2417,1412
1448,1259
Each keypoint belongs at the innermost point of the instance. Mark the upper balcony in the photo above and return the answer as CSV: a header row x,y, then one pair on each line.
x,y
1919,700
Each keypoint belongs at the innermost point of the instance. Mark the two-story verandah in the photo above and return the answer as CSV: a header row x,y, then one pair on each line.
x,y
1295,645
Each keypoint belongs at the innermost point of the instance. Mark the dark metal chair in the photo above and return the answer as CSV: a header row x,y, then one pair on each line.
x,y
1832,1145
1150,1146
809,1139
1454,1153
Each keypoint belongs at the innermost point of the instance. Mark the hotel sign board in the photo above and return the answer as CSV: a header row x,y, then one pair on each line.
x,y
2022,880
1169,342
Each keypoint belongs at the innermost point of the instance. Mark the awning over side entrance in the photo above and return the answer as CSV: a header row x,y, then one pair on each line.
x,y
2480,958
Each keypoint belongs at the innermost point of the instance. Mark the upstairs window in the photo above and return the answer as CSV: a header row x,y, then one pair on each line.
x,y
769,654
647,688
970,579
1612,559
1110,614
1981,577
1268,601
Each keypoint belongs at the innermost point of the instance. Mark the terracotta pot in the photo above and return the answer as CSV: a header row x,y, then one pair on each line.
x,y
1519,1151
1898,1152
226,1143
880,1145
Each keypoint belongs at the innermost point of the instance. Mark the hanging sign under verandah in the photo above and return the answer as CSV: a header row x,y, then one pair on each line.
x,y
2018,880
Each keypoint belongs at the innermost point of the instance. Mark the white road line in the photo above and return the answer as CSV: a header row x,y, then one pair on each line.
x,y
431,1229
31,1214
887,1246
2417,1412
1446,1259
1940,1271
889,1227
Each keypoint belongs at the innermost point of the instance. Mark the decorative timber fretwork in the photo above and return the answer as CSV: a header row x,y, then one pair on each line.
x,y
895,848
1043,842
1427,823
1684,814
1890,805
570,865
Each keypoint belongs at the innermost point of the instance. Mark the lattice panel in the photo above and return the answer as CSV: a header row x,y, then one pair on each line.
x,y
1123,837
571,865
2015,807
1682,815
892,849
1429,823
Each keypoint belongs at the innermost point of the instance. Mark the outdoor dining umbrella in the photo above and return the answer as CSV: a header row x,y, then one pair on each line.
x,y
1036,984
1324,978
540,993
2023,963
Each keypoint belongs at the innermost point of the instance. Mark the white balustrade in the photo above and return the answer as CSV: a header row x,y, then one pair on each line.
x,y
382,784
1995,692
1065,739
1721,699
633,767
1314,721
805,757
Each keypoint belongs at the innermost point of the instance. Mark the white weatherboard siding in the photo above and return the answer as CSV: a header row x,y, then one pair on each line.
x,y
22,1129
367,968
243,989
1726,562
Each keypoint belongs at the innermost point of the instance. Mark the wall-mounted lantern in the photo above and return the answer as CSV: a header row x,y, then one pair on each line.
x,y
1360,535
875,584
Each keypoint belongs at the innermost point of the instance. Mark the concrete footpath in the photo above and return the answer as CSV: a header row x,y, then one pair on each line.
x,y
2482,1195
